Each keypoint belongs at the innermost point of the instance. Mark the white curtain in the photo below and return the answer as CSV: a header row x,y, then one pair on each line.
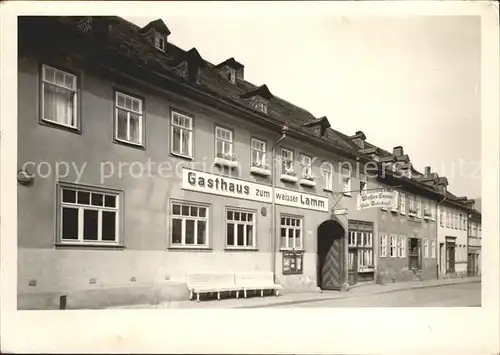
x,y
58,105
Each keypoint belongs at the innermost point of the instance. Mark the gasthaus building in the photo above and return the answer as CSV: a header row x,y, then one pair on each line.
x,y
162,165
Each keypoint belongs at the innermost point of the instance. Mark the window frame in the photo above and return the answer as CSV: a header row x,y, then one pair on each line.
x,y
142,125
426,248
80,242
383,245
171,216
76,98
230,142
402,203
283,168
363,179
328,183
393,246
433,249
346,180
303,158
264,152
245,223
159,36
190,130
287,247
401,246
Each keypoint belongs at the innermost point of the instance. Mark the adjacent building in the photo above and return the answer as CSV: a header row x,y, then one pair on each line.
x,y
140,162
474,241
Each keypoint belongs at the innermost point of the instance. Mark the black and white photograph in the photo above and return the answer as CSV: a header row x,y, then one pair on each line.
x,y
191,160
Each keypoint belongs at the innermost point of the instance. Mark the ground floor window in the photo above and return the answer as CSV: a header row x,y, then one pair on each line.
x,y
433,249
88,216
401,246
383,245
292,262
361,263
291,232
189,225
415,253
240,229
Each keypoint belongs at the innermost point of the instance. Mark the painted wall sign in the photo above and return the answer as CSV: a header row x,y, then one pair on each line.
x,y
371,199
225,186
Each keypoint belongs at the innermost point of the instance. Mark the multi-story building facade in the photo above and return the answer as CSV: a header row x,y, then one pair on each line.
x,y
474,241
452,236
146,162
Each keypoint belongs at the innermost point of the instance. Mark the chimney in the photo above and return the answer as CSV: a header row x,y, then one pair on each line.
x,y
359,139
427,171
398,151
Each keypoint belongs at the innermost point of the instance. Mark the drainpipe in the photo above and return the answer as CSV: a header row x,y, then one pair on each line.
x,y
284,131
438,265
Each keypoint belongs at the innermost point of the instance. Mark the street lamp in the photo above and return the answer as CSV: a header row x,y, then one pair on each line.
x,y
284,131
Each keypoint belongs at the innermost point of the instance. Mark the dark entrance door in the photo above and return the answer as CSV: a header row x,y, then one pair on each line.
x,y
450,253
352,266
330,255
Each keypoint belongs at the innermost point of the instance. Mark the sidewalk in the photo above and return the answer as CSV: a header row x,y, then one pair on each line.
x,y
298,298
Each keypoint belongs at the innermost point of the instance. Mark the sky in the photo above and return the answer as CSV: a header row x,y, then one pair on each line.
x,y
412,81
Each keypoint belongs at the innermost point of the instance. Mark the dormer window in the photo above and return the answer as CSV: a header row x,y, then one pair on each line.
x,y
259,104
375,157
231,75
160,42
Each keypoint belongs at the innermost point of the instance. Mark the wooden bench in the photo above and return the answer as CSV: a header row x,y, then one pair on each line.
x,y
257,281
198,283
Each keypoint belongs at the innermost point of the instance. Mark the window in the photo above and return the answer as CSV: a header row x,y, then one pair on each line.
x,y
411,201
441,218
365,259
291,233
448,218
182,134
464,222
363,185
257,103
346,180
223,143
292,262
401,246
383,245
88,216
240,229
231,75
59,97
419,208
353,236
460,223
427,211
160,41
306,165
286,161
258,148
392,249
395,201
426,248
128,119
402,203
328,175
189,225
433,249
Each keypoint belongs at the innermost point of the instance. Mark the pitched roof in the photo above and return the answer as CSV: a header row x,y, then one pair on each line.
x,y
158,25
261,91
126,41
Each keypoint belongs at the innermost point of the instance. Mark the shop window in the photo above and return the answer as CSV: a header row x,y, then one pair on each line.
x,y
88,216
291,233
59,97
292,262
414,246
182,135
128,119
188,225
240,229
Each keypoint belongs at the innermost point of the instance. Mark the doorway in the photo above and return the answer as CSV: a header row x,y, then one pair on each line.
x,y
330,255
450,256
